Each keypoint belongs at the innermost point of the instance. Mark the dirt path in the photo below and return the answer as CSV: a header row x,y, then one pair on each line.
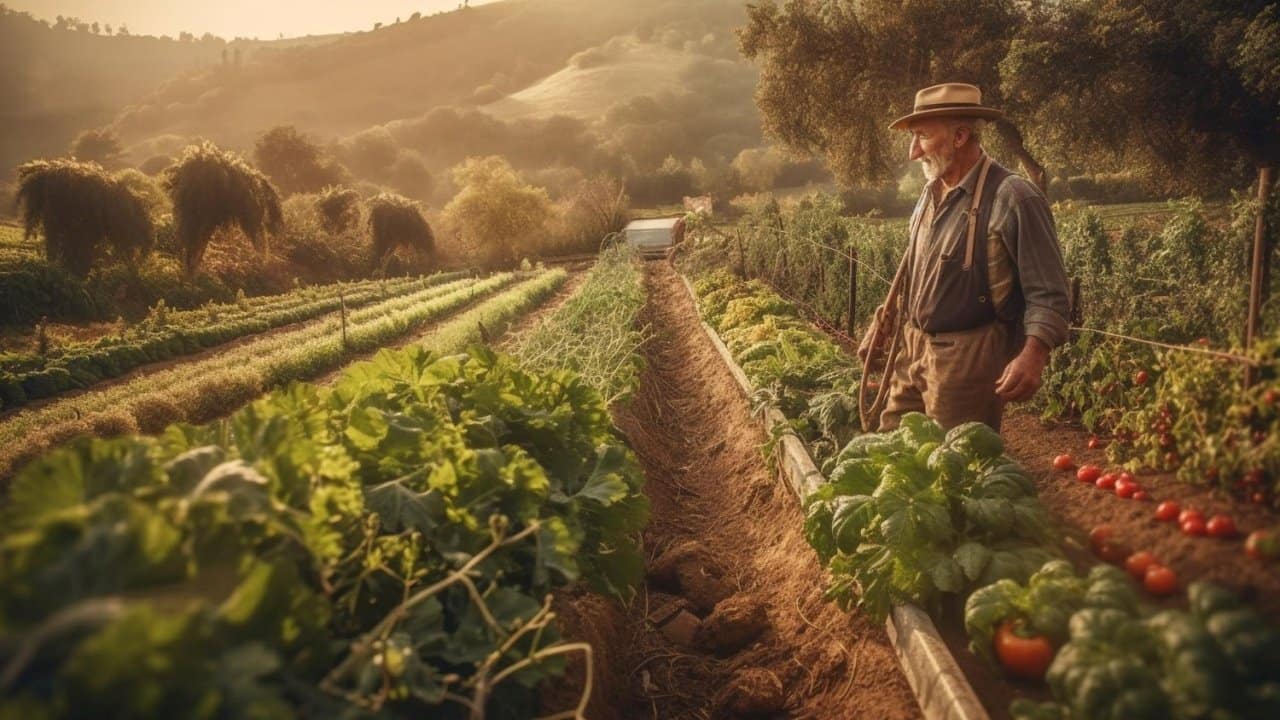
x,y
725,533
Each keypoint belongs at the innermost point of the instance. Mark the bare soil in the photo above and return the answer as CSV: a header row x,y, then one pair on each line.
x,y
1081,507
731,622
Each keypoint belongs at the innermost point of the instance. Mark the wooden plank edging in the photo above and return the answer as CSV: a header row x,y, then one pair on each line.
x,y
939,685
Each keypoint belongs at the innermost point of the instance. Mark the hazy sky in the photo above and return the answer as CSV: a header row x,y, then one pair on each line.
x,y
264,19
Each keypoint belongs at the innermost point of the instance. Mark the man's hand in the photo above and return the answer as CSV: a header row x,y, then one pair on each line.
x,y
1021,377
873,339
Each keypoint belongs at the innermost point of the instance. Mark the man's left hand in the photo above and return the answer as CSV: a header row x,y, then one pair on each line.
x,y
1021,377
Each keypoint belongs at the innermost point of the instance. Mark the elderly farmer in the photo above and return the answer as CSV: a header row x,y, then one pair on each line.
x,y
985,292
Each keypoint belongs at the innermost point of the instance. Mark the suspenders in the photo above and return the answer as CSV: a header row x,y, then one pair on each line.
x,y
973,211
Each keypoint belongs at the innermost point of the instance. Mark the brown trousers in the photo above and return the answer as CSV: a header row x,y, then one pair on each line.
x,y
951,377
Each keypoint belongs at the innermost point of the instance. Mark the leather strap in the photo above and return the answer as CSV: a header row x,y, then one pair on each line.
x,y
973,211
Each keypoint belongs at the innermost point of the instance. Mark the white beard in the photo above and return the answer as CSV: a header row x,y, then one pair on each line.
x,y
935,166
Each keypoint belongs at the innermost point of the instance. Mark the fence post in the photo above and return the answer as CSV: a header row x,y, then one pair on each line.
x,y
742,255
1260,274
853,288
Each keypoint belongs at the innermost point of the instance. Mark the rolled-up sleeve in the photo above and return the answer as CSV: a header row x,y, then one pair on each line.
x,y
1026,226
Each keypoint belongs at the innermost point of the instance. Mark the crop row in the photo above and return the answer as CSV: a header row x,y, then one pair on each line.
x,y
384,546
918,515
794,367
213,386
596,333
164,336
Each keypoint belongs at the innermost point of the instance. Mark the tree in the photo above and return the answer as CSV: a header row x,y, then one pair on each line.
x,y
396,221
835,73
495,214
213,189
339,208
82,210
99,146
1184,94
295,163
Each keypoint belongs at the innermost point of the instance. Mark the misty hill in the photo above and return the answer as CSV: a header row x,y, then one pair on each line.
x,y
655,93
57,81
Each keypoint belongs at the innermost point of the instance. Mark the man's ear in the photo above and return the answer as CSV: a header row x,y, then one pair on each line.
x,y
961,136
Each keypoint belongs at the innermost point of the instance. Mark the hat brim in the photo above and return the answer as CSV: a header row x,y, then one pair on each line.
x,y
984,113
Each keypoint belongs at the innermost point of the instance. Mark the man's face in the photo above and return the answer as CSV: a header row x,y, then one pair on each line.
x,y
932,144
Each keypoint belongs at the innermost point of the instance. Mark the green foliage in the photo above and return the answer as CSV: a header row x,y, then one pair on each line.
x,y
383,545
793,367
910,515
1219,659
80,208
497,217
164,335
595,332
213,189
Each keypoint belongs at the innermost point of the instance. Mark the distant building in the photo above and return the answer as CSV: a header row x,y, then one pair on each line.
x,y
700,204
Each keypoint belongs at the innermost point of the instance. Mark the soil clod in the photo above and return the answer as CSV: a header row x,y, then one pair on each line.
x,y
733,625
752,692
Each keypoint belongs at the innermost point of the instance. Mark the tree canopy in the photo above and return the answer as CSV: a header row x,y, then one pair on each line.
x,y
495,212
1182,93
213,189
99,146
396,221
1186,93
339,208
82,210
295,163
835,73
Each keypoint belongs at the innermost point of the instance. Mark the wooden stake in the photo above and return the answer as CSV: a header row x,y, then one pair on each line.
x,y
1260,275
853,289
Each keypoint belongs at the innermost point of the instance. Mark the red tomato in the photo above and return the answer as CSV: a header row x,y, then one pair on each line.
x,y
1088,473
1159,580
1141,496
1063,462
1258,498
1189,513
1204,341
1221,526
1099,535
1254,477
1271,396
1107,481
1141,377
1138,563
1126,489
1025,657
1167,511
1193,526
1094,442
1125,475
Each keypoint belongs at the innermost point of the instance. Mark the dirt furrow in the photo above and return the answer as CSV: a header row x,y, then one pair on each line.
x,y
732,620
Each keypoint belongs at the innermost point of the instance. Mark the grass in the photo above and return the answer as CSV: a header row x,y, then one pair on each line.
x,y
595,332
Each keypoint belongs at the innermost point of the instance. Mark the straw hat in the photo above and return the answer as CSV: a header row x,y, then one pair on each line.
x,y
948,100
